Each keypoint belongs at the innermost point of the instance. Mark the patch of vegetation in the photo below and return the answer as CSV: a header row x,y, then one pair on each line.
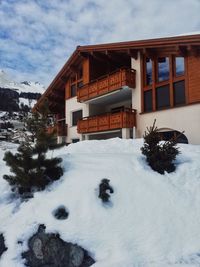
x,y
159,155
32,170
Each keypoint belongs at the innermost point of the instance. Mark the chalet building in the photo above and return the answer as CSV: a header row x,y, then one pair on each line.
x,y
118,89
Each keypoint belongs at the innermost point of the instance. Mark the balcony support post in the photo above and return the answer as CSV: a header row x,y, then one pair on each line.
x,y
134,132
125,133
84,137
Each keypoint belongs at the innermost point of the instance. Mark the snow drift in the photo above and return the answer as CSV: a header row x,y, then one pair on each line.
x,y
153,220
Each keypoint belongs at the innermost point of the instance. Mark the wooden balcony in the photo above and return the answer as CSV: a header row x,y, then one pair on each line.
x,y
106,84
59,129
124,118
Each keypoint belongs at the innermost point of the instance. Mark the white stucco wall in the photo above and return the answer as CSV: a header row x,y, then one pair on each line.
x,y
186,118
72,105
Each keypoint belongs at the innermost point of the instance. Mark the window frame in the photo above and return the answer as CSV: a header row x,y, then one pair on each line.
x,y
155,83
72,119
75,80
157,70
174,68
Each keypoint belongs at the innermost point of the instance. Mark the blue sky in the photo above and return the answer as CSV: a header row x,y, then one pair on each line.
x,y
37,36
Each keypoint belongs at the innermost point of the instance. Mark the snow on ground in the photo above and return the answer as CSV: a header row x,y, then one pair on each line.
x,y
153,220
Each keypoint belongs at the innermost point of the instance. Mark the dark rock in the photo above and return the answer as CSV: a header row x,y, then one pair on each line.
x,y
2,245
61,213
49,250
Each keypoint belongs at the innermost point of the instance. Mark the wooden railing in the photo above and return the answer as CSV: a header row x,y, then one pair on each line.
x,y
123,118
107,83
60,128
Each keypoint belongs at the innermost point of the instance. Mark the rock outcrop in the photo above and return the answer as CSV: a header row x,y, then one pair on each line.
x,y
2,245
61,213
49,250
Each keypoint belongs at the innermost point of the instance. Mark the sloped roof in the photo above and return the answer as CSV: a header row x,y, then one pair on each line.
x,y
138,45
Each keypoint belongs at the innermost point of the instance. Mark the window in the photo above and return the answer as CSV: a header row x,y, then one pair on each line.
x,y
148,71
73,90
76,115
76,81
179,93
162,97
168,135
163,69
179,66
164,82
148,101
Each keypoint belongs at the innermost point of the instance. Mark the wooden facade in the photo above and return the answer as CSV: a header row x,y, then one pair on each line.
x,y
193,79
59,129
106,84
190,79
125,118
102,70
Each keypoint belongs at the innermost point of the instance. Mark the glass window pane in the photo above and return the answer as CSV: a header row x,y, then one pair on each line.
x,y
179,93
148,100
73,90
148,71
180,66
163,69
162,97
76,115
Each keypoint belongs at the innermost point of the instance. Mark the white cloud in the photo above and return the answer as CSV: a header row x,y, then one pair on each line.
x,y
36,37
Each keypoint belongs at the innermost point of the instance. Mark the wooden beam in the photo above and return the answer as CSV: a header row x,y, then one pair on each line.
x,y
64,78
56,107
182,50
57,95
99,56
84,54
56,100
115,57
150,53
132,53
73,68
193,50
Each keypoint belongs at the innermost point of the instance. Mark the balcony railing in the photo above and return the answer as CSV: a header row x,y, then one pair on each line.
x,y
60,128
123,118
106,84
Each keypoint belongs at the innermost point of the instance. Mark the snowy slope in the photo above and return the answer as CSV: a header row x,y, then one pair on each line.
x,y
32,87
153,220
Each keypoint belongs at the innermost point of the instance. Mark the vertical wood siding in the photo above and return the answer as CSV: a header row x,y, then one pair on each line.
x,y
193,65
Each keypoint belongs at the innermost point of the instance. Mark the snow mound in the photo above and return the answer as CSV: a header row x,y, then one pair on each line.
x,y
153,220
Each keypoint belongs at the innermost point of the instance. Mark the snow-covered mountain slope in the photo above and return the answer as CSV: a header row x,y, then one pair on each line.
x,y
153,220
26,87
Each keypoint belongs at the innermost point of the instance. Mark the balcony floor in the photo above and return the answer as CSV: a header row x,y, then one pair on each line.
x,y
116,96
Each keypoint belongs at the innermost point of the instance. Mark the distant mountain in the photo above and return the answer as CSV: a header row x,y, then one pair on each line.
x,y
25,86
14,96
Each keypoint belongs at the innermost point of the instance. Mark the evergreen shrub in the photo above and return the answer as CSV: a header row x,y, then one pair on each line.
x,y
32,170
159,155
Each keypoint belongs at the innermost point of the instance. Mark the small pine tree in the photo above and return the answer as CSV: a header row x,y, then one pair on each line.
x,y
32,170
160,156
104,187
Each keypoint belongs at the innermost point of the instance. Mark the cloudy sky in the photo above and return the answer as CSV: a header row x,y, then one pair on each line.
x,y
37,36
